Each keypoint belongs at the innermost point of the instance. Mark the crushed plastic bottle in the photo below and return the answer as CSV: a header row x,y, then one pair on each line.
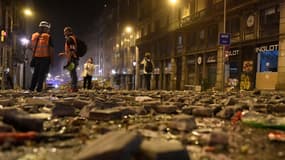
x,y
259,120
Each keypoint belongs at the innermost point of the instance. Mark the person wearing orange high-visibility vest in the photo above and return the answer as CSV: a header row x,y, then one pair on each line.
x,y
42,46
70,49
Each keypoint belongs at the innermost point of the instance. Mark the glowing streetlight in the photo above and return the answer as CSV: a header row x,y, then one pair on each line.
x,y
28,12
173,2
129,29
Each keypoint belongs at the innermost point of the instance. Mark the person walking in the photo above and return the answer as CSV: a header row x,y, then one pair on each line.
x,y
42,47
70,48
87,73
147,69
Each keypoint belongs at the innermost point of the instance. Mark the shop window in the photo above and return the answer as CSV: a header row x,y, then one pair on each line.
x,y
267,58
191,70
268,61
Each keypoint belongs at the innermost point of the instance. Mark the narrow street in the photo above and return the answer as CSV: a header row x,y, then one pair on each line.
x,y
140,125
142,80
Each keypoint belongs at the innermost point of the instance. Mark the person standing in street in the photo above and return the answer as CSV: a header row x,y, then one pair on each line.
x,y
42,47
147,69
71,56
87,73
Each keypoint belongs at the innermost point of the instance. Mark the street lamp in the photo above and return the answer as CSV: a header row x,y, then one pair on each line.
x,y
173,2
28,12
129,29
24,42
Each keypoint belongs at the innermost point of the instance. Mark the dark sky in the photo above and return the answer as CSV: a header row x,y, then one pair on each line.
x,y
81,15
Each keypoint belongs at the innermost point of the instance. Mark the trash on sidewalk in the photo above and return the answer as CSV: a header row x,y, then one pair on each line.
x,y
276,136
260,120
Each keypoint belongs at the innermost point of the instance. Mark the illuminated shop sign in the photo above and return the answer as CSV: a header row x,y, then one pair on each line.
x,y
267,58
266,48
233,53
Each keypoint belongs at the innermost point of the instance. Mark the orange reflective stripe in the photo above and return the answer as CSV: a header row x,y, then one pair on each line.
x,y
43,49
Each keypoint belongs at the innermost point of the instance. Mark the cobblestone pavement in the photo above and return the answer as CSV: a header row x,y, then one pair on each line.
x,y
140,125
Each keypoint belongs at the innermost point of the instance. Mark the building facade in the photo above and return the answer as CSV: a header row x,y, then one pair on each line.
x,y
184,42
12,26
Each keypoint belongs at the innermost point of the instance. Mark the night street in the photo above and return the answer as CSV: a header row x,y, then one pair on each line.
x,y
135,125
142,80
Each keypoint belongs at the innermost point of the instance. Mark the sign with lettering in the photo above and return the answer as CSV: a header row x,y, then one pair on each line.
x,y
233,53
225,39
212,59
266,48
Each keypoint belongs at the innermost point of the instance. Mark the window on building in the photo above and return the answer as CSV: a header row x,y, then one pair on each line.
x,y
200,5
233,25
201,38
217,1
267,58
148,29
142,32
157,25
213,35
192,39
270,16
185,11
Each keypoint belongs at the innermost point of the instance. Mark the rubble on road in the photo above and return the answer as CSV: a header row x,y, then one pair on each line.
x,y
142,125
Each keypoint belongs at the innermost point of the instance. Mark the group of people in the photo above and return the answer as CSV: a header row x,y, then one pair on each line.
x,y
43,50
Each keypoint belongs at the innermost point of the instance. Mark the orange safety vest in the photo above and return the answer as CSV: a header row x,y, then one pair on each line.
x,y
43,48
67,49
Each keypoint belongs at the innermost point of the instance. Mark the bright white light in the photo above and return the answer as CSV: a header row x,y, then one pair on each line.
x,y
113,71
24,41
100,71
56,86
129,29
28,12
49,75
173,1
134,63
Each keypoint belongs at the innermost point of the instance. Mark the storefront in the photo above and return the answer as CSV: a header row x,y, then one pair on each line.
x,y
166,74
178,72
248,68
156,75
211,68
199,69
234,64
190,78
267,64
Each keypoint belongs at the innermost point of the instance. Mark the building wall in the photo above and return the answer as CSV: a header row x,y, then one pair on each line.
x,y
186,49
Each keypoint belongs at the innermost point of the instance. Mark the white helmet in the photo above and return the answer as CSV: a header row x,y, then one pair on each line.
x,y
44,24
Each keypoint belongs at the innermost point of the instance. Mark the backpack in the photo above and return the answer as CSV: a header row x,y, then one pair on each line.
x,y
148,66
81,47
